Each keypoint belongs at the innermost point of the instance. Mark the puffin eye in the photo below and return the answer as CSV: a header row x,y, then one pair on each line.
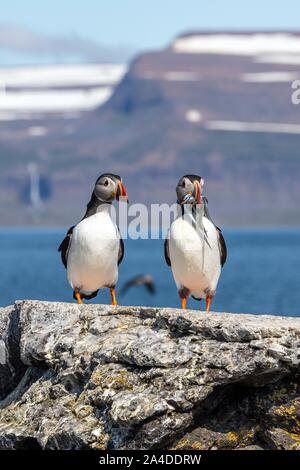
x,y
106,183
183,184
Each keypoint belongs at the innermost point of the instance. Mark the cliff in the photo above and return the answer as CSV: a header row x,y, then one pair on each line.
x,y
95,376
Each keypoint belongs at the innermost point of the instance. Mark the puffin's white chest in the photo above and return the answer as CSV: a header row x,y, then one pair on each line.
x,y
195,263
93,255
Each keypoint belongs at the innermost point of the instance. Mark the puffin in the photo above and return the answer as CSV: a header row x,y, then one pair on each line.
x,y
145,280
93,249
194,248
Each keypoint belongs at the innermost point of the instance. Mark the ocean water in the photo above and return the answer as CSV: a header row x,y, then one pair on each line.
x,y
262,273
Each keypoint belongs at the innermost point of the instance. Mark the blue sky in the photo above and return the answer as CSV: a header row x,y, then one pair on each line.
x,y
129,25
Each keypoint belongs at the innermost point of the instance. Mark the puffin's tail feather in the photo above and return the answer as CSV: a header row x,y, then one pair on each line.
x,y
196,298
86,296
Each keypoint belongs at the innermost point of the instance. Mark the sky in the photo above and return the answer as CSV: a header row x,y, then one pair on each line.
x,y
104,30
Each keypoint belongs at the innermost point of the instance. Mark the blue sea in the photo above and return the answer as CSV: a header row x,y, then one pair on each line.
x,y
262,273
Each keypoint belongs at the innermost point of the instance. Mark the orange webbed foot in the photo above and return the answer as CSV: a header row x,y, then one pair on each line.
x,y
113,296
208,303
78,297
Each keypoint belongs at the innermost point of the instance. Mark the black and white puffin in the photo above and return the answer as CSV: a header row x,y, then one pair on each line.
x,y
195,247
93,249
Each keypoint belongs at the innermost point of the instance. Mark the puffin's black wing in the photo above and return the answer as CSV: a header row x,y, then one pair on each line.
x,y
65,246
121,249
150,287
222,246
167,252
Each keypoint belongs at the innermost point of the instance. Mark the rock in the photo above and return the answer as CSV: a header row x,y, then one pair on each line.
x,y
99,377
281,439
11,367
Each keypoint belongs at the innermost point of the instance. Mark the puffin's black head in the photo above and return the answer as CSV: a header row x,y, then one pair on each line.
x,y
189,189
109,187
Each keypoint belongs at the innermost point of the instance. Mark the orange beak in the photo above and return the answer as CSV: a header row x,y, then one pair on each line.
x,y
198,192
122,193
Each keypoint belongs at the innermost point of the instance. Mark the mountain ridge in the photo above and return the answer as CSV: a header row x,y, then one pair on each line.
x,y
227,117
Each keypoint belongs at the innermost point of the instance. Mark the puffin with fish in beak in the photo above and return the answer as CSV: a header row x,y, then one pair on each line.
x,y
195,247
93,249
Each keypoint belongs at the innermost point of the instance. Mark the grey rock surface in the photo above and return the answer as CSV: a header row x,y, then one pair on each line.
x,y
102,377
